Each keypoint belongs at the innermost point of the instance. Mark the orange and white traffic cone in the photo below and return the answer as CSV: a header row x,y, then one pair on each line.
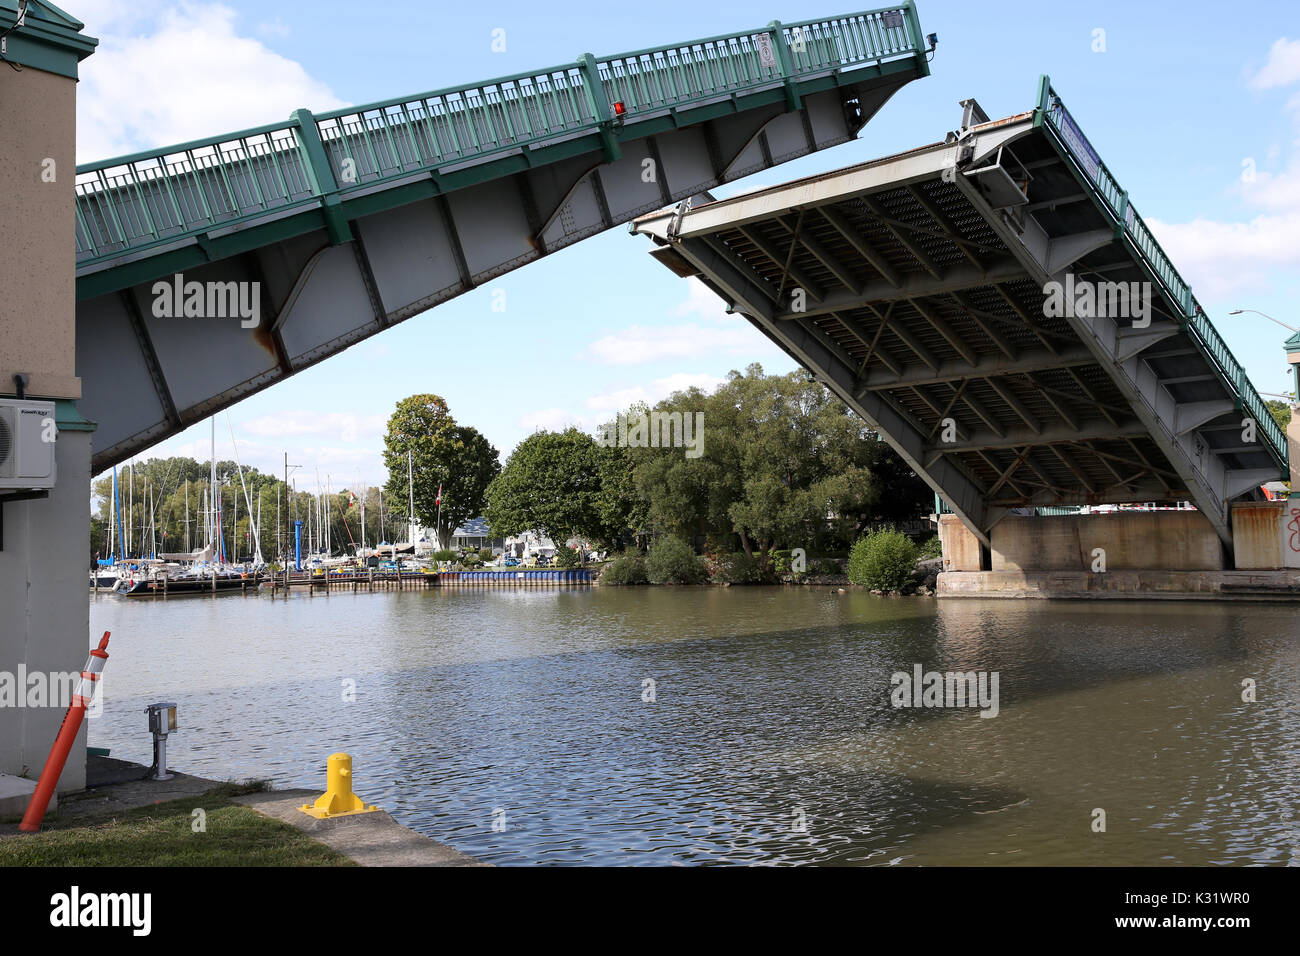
x,y
54,763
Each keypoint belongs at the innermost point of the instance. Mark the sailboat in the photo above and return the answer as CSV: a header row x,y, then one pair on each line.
x,y
106,573
208,571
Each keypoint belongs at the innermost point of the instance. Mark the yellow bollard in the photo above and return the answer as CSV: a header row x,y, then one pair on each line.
x,y
338,800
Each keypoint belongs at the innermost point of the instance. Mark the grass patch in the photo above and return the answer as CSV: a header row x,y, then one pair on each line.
x,y
163,835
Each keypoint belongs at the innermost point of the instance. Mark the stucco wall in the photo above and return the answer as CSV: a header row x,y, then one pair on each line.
x,y
1132,540
44,607
37,275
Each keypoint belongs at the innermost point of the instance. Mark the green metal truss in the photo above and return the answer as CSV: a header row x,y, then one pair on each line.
x,y
321,170
1051,115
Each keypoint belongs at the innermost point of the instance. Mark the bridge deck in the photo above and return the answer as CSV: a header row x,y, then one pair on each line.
x,y
340,225
154,199
917,288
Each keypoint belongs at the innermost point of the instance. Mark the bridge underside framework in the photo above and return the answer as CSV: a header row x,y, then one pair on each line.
x,y
915,287
352,221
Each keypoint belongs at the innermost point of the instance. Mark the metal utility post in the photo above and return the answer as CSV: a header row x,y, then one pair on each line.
x,y
162,721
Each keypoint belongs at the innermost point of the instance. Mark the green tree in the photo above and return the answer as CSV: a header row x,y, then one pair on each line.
x,y
783,463
1280,410
550,483
443,453
620,507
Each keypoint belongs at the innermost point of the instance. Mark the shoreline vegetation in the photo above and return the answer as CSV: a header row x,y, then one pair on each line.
x,y
777,482
882,562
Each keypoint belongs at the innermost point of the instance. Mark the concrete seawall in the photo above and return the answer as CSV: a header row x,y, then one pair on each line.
x,y
1132,585
1164,553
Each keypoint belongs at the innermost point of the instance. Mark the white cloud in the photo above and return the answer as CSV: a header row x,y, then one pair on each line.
x,y
345,426
341,465
165,74
264,440
621,399
551,420
1222,257
1282,68
1219,258
702,301
638,343
272,28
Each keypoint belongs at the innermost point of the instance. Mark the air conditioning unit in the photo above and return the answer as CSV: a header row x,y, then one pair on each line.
x,y
26,445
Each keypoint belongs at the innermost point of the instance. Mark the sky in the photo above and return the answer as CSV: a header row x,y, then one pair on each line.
x,y
1194,106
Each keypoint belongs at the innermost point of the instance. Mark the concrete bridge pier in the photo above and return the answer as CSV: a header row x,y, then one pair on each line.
x,y
44,599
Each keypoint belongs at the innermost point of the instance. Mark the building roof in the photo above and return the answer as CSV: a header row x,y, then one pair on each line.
x,y
49,39
473,528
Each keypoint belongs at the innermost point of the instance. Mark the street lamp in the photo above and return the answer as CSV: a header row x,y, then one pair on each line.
x,y
1289,328
1292,345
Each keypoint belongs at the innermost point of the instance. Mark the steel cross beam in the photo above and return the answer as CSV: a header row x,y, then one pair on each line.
x,y
737,282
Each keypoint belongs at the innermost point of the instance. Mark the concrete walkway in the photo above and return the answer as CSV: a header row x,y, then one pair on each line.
x,y
113,786
372,839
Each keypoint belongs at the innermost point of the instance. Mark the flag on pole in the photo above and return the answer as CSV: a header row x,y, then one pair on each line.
x,y
438,501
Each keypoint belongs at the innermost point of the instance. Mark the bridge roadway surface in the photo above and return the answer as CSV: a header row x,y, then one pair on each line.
x,y
357,219
915,287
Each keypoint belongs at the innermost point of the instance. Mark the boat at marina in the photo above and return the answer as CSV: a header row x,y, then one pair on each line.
x,y
197,579
105,578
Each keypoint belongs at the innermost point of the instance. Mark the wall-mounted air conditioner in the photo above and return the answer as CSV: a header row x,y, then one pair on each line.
x,y
27,443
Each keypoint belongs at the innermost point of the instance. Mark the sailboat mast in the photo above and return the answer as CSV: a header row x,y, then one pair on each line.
x,y
212,498
115,519
410,490
130,507
187,514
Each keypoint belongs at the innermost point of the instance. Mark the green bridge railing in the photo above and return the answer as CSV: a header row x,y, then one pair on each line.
x,y
159,196
1052,115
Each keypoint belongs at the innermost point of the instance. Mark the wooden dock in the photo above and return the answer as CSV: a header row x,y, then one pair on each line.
x,y
371,579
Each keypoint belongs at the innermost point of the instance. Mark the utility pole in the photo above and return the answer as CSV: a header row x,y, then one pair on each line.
x,y
410,490
288,508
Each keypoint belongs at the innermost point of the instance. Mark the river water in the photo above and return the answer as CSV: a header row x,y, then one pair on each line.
x,y
518,725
